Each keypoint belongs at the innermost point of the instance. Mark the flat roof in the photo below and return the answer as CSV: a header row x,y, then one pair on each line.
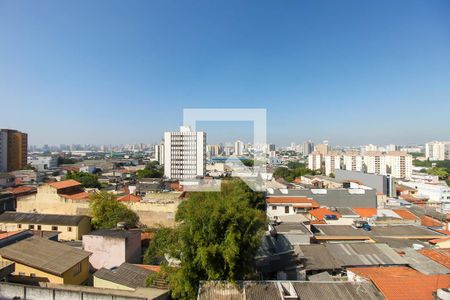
x,y
406,231
45,219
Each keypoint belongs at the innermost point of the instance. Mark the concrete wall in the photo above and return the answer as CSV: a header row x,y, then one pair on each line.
x,y
380,183
107,252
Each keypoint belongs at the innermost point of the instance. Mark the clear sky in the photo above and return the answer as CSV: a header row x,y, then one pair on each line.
x,y
352,72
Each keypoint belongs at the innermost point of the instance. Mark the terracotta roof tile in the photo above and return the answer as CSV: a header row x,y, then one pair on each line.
x,y
304,201
129,198
64,184
437,241
430,222
388,271
21,189
441,256
366,212
447,232
405,214
410,287
320,213
76,196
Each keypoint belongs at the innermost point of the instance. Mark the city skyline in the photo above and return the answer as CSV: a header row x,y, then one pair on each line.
x,y
352,73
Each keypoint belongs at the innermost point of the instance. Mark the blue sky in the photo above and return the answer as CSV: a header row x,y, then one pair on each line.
x,y
352,72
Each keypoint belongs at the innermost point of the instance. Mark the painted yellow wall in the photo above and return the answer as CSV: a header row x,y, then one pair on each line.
x,y
76,233
67,278
101,283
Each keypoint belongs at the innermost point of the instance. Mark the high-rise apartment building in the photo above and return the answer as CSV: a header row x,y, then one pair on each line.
x,y
159,153
315,161
13,150
322,148
308,147
375,162
332,162
399,164
437,150
184,154
238,148
353,161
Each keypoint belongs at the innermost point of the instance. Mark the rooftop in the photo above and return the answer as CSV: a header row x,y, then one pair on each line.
x,y
129,198
64,184
441,256
423,263
320,213
126,274
365,212
115,233
317,257
45,255
45,219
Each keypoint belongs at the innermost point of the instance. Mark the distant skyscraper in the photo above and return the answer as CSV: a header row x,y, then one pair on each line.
x,y
332,162
159,153
272,147
238,148
353,161
322,149
399,164
315,160
375,162
184,154
13,150
308,147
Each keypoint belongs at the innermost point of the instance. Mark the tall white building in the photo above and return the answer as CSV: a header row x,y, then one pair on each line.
x,y
238,148
353,161
159,153
332,162
315,161
399,164
375,162
437,150
184,154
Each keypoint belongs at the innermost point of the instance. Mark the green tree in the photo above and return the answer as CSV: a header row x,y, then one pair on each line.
x,y
163,241
218,235
107,211
442,173
247,162
151,170
87,180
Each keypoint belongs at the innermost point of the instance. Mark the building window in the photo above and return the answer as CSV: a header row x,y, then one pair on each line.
x,y
32,275
286,209
54,228
19,226
69,229
274,207
21,274
77,269
30,226
39,227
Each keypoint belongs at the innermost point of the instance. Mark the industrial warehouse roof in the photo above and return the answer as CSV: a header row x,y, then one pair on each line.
x,y
279,290
378,231
45,255
317,257
364,254
126,274
45,219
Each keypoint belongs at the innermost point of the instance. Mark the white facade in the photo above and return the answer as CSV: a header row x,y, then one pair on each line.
x,y
184,154
437,150
436,193
238,148
332,162
315,161
159,153
375,163
399,164
42,163
353,162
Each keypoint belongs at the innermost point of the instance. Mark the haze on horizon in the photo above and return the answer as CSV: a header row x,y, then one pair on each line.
x,y
114,72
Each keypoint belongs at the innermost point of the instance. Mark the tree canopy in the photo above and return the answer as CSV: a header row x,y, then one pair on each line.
x,y
152,170
442,173
217,236
293,170
87,180
107,211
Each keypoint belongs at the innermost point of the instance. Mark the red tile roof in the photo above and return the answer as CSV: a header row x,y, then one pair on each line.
x,y
441,256
437,241
447,232
304,201
430,222
366,212
405,214
76,196
64,184
388,271
410,287
4,235
130,198
21,189
320,213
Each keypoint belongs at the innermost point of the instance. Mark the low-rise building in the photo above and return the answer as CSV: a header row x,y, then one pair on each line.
x,y
69,227
39,259
112,247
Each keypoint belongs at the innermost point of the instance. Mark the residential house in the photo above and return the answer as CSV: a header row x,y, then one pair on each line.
x,y
39,259
69,227
112,247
